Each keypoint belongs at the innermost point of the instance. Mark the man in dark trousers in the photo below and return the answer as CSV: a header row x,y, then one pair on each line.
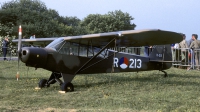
x,y
5,47
195,45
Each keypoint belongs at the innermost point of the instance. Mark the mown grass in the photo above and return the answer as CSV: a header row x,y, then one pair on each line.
x,y
143,91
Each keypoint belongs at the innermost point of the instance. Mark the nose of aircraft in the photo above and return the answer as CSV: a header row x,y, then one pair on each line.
x,y
34,57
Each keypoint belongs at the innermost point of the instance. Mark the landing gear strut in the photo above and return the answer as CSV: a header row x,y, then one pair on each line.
x,y
66,86
53,79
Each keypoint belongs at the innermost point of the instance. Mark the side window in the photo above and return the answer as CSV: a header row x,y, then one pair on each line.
x,y
56,44
103,54
65,49
83,51
91,51
74,49
70,48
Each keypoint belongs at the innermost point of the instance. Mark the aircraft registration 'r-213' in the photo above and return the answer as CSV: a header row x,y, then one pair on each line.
x,y
69,56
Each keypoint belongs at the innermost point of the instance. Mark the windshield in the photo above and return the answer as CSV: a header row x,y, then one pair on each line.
x,y
56,44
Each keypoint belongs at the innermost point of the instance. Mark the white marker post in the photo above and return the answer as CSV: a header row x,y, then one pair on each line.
x,y
17,76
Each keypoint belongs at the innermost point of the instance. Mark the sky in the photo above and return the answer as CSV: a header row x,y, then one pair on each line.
x,y
180,16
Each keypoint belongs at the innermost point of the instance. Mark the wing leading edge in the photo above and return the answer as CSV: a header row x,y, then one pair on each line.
x,y
37,41
129,38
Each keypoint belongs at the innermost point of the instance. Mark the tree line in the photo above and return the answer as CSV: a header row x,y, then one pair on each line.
x,y
37,19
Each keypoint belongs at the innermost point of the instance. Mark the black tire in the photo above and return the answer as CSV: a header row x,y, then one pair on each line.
x,y
68,87
42,83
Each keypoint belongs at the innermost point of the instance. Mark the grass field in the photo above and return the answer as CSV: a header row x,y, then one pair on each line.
x,y
143,91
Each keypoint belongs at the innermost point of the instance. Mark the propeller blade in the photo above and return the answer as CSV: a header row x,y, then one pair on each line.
x,y
19,44
20,39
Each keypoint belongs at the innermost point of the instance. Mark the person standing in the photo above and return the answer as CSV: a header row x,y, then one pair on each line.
x,y
183,43
183,46
191,53
5,47
189,42
33,36
195,45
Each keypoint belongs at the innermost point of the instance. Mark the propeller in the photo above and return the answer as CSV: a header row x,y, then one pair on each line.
x,y
19,47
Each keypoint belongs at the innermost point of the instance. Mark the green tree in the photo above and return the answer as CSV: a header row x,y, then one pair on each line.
x,y
74,23
113,21
34,17
121,21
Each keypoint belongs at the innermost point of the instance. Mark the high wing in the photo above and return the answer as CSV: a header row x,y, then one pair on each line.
x,y
130,38
37,41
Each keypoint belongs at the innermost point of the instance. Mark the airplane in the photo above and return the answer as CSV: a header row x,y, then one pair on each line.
x,y
69,56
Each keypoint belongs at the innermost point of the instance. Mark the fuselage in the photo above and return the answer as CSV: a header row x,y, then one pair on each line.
x,y
52,60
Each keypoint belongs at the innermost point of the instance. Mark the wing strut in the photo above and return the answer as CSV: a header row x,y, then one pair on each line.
x,y
94,56
113,70
163,56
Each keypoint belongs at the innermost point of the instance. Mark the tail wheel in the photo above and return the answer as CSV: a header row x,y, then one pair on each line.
x,y
165,73
68,87
42,83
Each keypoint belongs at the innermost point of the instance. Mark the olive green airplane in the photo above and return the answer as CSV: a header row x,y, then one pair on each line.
x,y
69,56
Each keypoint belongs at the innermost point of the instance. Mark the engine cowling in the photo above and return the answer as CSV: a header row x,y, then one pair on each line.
x,y
34,57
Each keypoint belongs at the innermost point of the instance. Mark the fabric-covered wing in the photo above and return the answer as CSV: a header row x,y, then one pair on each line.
x,y
37,41
129,38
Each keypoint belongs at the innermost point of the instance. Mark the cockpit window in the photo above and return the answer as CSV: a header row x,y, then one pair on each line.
x,y
70,48
56,44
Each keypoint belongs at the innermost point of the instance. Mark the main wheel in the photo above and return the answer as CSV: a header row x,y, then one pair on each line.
x,y
42,83
68,87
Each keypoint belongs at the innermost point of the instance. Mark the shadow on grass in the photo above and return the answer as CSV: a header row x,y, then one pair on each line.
x,y
3,78
154,78
185,76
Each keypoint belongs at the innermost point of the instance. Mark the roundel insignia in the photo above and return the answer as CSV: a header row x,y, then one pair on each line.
x,y
123,62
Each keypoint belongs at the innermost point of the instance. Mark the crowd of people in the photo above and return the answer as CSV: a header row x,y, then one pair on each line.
x,y
190,50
